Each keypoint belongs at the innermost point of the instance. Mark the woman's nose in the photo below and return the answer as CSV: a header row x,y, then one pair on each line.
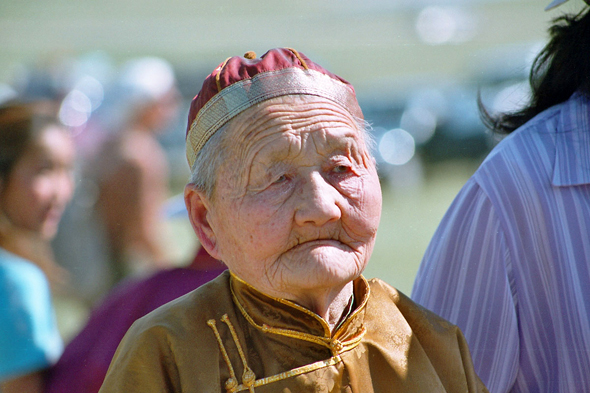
x,y
318,201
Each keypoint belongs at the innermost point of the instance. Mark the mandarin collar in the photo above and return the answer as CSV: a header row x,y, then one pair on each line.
x,y
286,318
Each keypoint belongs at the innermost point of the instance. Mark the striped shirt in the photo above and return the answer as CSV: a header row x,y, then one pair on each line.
x,y
510,261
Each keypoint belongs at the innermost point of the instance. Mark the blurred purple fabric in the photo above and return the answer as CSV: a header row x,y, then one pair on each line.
x,y
86,358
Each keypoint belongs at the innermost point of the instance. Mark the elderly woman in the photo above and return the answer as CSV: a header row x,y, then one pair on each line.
x,y
285,192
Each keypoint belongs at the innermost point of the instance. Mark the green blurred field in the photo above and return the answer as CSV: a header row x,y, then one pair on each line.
x,y
409,220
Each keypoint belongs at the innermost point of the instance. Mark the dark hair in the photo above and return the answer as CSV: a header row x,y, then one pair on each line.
x,y
19,125
561,69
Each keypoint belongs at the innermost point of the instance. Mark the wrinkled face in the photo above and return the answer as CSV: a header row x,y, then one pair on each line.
x,y
40,184
297,206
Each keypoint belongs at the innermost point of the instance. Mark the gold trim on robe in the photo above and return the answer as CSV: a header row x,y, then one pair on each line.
x,y
228,337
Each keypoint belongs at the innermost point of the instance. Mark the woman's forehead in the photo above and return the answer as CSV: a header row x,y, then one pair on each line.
x,y
323,141
295,110
291,118
299,145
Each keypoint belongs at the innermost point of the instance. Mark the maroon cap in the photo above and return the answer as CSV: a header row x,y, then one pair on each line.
x,y
241,82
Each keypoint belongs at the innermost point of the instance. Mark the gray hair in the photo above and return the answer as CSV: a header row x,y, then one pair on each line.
x,y
208,161
214,153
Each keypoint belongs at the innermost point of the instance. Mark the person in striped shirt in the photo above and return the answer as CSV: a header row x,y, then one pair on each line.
x,y
510,261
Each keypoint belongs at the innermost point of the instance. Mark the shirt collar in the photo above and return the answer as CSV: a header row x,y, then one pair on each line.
x,y
285,318
572,153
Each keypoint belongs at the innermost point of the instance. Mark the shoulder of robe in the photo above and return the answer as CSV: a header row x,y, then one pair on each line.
x,y
418,317
189,312
442,342
154,354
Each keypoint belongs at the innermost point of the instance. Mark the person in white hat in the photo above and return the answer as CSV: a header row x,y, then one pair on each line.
x,y
510,261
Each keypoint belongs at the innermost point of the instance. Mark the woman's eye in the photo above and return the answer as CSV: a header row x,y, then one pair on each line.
x,y
341,169
44,167
280,179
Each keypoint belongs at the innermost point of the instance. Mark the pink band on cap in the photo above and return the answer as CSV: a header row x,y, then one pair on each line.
x,y
273,78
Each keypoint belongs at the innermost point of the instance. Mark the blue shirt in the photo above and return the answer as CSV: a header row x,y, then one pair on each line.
x,y
510,261
29,339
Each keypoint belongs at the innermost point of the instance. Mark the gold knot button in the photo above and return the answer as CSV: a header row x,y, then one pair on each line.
x,y
250,55
248,378
231,385
336,345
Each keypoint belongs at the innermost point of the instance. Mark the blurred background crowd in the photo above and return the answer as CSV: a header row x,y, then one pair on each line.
x,y
123,73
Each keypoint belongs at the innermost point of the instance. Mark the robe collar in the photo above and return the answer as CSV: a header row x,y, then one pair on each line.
x,y
285,318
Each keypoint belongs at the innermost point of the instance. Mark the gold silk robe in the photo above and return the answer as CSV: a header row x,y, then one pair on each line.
x,y
227,337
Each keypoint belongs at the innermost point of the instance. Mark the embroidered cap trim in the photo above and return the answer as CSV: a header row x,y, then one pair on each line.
x,y
246,93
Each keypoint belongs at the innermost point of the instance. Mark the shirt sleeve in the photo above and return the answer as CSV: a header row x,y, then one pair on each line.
x,y
465,278
29,338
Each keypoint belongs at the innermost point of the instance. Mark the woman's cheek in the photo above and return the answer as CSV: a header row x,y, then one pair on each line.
x,y
265,214
351,188
275,199
42,189
366,207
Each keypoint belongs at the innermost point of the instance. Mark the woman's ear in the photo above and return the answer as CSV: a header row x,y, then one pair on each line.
x,y
198,207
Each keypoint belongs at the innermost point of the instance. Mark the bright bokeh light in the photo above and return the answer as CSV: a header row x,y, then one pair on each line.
x,y
420,122
397,147
75,109
442,25
430,98
435,25
92,89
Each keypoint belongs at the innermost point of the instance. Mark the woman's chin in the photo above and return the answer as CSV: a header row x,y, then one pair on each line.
x,y
48,231
325,267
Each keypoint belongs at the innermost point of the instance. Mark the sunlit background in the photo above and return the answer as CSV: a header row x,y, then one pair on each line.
x,y
417,66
